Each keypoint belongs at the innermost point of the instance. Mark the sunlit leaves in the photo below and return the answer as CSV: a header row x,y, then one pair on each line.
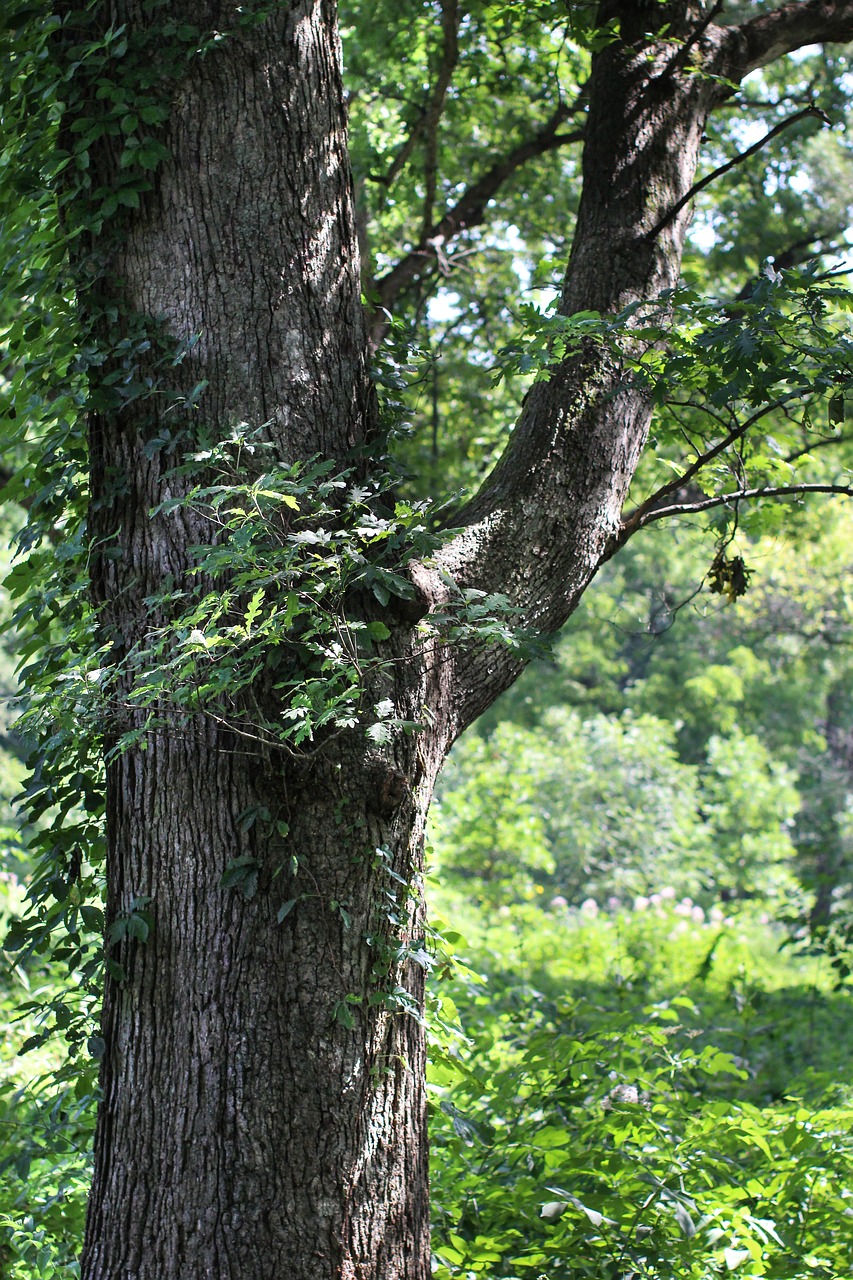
x,y
599,1129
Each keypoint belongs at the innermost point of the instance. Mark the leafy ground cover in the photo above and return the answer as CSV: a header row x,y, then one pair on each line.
x,y
47,1118
649,1092
642,1094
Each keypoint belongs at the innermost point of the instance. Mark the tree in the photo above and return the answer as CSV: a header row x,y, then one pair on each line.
x,y
263,1108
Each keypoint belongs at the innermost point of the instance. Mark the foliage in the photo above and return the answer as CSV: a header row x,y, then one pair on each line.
x,y
750,804
45,1122
603,807
600,1128
775,667
273,595
45,1169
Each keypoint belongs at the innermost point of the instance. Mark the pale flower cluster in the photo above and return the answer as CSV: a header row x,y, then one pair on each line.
x,y
663,902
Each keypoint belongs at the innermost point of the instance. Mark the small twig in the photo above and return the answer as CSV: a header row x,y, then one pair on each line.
x,y
764,104
817,444
810,110
737,495
401,158
637,518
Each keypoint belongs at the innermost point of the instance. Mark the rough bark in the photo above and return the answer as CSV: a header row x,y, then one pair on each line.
x,y
245,1133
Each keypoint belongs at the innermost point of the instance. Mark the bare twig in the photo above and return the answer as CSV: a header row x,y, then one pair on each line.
x,y
725,499
823,443
470,208
810,110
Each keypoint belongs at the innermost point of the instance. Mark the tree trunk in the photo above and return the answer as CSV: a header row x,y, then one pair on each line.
x,y
263,1109
245,1130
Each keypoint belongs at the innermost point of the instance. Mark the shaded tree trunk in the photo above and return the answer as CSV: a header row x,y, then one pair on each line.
x,y
246,1131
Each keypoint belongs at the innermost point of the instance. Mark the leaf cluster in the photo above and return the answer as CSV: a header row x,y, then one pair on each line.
x,y
596,1131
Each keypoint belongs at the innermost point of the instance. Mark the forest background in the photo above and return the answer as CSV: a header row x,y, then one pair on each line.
x,y
642,859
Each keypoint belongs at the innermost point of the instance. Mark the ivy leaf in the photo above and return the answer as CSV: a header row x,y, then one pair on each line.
x,y
241,873
97,1047
117,931
138,927
343,1014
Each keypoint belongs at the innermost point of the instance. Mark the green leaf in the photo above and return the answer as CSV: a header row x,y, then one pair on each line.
x,y
138,927
253,609
241,873
343,1014
117,930
97,1047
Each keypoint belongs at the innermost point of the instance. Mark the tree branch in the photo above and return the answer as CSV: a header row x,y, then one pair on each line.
x,y
450,55
771,35
810,110
636,518
431,112
469,209
794,255
723,499
550,512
